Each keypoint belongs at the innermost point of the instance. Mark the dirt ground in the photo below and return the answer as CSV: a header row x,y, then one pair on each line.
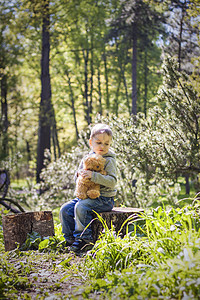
x,y
51,277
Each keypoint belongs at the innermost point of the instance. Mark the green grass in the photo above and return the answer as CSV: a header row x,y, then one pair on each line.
x,y
158,259
20,184
161,263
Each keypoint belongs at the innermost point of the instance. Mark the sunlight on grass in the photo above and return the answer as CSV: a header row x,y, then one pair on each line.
x,y
162,263
159,257
19,184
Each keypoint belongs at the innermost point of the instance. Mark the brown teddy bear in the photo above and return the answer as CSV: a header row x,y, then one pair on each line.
x,y
85,188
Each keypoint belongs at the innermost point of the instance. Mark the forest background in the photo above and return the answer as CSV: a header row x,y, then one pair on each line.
x,y
133,64
65,65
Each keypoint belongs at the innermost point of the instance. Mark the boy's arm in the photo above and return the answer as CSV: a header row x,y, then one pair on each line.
x,y
108,180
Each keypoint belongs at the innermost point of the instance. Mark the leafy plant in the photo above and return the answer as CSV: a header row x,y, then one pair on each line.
x,y
47,244
32,241
12,278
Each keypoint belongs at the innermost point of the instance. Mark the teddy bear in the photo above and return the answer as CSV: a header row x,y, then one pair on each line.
x,y
85,188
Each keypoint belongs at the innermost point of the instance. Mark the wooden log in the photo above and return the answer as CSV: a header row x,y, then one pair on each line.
x,y
16,227
117,217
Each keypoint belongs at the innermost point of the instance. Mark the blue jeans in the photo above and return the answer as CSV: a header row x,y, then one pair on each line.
x,y
77,214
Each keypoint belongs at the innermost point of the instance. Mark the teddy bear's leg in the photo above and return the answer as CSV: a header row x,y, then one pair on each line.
x,y
94,191
93,194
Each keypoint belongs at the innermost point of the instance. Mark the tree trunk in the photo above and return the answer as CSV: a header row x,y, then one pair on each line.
x,y
72,104
44,131
4,117
86,102
116,217
134,69
28,150
122,66
16,227
117,95
99,90
91,79
180,39
126,90
145,81
187,184
54,134
106,78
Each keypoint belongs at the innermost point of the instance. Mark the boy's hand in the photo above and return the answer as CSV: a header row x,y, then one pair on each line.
x,y
86,173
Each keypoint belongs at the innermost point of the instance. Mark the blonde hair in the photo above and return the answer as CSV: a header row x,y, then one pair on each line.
x,y
100,128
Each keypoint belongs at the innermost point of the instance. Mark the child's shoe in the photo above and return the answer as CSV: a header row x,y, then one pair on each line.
x,y
68,243
81,245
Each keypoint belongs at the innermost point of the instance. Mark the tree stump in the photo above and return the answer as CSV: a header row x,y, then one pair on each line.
x,y
117,217
16,227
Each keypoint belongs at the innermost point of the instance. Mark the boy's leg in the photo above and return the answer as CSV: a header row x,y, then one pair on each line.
x,y
67,219
83,215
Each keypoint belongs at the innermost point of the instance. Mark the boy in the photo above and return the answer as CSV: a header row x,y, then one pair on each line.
x,y
77,214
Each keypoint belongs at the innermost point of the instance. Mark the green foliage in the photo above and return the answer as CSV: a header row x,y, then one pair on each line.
x,y
55,243
90,69
153,151
32,242
163,263
12,277
17,267
90,65
157,258
156,150
47,244
178,278
58,179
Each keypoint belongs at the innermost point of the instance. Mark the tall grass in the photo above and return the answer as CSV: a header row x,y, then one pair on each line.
x,y
159,259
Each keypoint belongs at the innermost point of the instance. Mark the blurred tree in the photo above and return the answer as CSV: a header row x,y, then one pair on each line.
x,y
156,150
86,42
138,21
95,41
10,50
45,115
183,34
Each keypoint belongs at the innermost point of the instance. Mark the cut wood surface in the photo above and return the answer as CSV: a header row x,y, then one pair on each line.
x,y
17,226
117,216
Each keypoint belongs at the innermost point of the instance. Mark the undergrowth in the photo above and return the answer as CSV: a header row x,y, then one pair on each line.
x,y
161,263
21,266
158,258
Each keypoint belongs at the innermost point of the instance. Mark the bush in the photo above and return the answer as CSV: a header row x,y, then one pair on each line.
x,y
152,152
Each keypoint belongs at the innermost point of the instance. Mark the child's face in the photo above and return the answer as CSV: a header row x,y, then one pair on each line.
x,y
100,143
